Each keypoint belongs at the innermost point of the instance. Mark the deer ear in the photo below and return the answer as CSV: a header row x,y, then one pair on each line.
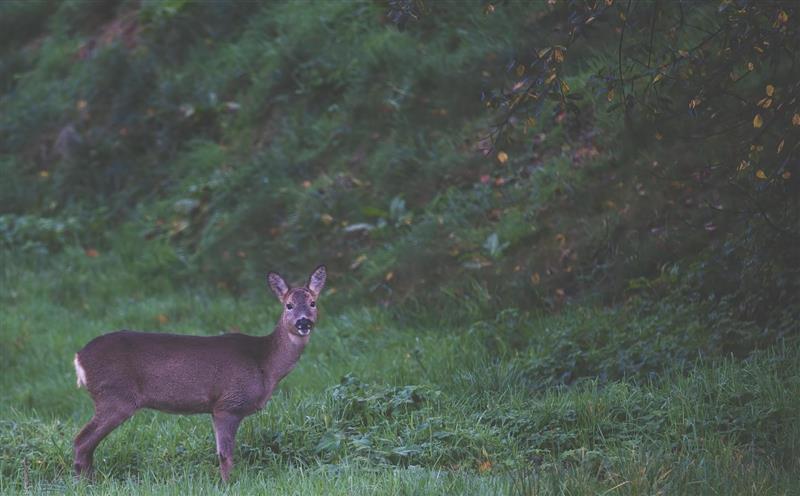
x,y
277,285
317,279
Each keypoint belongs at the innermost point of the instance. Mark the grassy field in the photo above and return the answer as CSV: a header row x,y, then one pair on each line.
x,y
603,298
379,407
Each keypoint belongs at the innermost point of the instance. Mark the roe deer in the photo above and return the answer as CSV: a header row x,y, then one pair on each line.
x,y
229,376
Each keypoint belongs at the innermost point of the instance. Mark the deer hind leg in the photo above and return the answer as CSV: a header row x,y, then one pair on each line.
x,y
106,418
225,426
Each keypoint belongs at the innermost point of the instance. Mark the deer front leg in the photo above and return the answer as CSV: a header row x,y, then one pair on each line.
x,y
225,426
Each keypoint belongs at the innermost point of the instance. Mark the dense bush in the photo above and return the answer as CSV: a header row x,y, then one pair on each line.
x,y
220,132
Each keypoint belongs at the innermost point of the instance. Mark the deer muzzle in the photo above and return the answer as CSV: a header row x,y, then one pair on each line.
x,y
304,326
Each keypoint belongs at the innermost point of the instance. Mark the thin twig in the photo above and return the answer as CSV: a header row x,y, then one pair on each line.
x,y
760,210
619,57
652,32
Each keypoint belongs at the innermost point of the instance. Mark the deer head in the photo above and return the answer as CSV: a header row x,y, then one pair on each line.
x,y
299,304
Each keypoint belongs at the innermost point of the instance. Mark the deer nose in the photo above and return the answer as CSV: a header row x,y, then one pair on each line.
x,y
304,326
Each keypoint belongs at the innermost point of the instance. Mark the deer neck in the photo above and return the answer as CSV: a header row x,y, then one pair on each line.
x,y
283,350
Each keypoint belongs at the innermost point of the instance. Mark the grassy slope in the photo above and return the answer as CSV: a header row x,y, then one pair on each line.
x,y
383,401
419,410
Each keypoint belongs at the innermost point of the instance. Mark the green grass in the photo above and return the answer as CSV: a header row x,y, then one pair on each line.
x,y
379,407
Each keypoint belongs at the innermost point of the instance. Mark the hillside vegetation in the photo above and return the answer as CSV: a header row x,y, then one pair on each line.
x,y
561,239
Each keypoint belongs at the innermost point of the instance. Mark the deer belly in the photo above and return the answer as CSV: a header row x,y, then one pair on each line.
x,y
178,398
175,391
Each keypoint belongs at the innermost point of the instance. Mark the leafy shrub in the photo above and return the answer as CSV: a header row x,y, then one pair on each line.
x,y
220,129
39,234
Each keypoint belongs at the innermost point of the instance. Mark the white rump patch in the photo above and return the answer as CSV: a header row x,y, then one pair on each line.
x,y
79,372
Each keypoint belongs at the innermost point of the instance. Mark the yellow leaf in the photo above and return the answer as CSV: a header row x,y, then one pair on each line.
x,y
502,157
564,87
783,17
389,276
162,319
326,219
760,174
770,90
780,146
179,225
658,78
796,119
750,66
743,165
694,102
758,121
610,95
536,278
659,136
765,102
558,55
786,175
520,70
358,261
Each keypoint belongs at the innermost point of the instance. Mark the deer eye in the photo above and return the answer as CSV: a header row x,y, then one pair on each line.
x,y
289,306
313,304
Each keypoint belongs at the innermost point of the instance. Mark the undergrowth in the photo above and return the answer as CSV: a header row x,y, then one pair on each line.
x,y
590,400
